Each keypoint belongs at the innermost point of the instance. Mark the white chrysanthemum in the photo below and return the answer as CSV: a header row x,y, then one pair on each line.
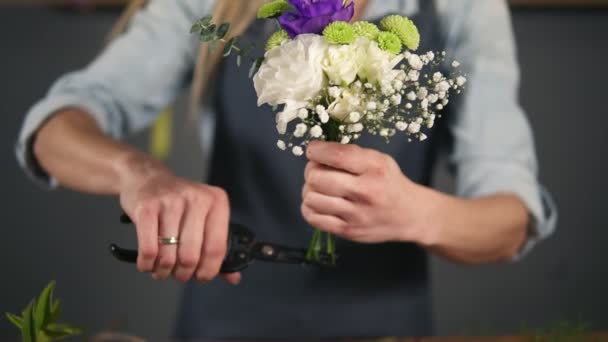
x,y
340,64
423,137
376,64
372,105
281,145
345,140
412,96
455,64
291,75
396,99
297,151
316,131
409,106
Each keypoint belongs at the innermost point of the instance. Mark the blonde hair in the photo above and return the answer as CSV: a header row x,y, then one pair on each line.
x,y
240,13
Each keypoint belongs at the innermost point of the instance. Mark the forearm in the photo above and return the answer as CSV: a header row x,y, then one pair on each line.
x,y
72,148
474,231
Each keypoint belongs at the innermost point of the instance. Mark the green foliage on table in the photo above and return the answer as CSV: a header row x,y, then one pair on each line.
x,y
38,322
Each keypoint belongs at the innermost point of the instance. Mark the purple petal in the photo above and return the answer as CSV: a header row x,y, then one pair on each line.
x,y
292,23
345,14
316,25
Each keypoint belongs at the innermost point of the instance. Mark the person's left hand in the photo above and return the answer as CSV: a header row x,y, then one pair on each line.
x,y
362,195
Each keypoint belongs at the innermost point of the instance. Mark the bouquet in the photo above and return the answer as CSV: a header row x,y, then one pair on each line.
x,y
332,79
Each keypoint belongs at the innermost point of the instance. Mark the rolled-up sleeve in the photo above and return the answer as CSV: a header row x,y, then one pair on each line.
x,y
129,84
493,149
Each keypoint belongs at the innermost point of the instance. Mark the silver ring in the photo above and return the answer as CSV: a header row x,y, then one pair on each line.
x,y
168,240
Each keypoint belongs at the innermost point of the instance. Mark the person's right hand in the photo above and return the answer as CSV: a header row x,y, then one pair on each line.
x,y
163,205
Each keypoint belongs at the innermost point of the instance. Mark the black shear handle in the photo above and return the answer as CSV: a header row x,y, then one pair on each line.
x,y
235,261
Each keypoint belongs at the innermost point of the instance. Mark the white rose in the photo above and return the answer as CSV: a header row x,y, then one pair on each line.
x,y
342,107
291,75
340,64
376,64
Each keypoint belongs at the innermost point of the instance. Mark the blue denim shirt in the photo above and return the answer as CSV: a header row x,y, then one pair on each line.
x,y
129,84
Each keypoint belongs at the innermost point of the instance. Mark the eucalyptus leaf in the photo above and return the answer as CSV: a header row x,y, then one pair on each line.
x,y
257,63
207,37
28,328
196,28
223,30
205,21
44,306
244,52
16,320
228,47
213,45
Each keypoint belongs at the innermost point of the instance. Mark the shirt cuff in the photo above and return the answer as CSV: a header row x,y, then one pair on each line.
x,y
36,117
483,180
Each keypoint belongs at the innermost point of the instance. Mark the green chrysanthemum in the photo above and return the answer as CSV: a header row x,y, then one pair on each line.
x,y
404,28
273,9
366,29
388,41
339,32
277,39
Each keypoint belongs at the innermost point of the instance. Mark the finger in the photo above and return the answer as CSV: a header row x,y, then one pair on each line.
x,y
326,223
349,158
232,278
215,239
146,223
169,226
190,242
329,205
330,182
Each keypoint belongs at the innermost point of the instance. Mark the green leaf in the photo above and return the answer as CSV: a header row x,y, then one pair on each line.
x,y
55,311
207,37
205,21
58,331
244,52
196,28
16,320
28,329
257,63
228,47
223,30
213,46
43,309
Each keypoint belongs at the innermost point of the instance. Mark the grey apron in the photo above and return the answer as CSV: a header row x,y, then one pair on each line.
x,y
378,290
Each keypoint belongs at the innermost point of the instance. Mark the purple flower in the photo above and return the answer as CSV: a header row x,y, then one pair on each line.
x,y
312,16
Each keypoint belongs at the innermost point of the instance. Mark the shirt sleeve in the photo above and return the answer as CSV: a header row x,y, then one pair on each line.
x,y
129,84
493,149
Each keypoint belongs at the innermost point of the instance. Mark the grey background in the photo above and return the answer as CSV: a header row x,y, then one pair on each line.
x,y
63,235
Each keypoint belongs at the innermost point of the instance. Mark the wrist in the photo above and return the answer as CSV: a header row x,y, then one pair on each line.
x,y
135,166
433,216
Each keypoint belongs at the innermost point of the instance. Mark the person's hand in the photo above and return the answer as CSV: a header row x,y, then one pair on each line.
x,y
163,205
362,195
